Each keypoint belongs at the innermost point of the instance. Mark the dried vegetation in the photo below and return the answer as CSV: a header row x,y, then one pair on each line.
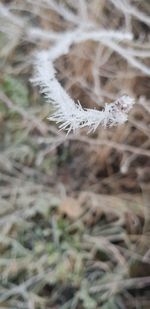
x,y
74,211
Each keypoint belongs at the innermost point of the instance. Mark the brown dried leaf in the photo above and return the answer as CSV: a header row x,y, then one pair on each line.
x,y
71,208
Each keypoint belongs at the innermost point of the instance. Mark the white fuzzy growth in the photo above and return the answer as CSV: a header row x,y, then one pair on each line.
x,y
71,115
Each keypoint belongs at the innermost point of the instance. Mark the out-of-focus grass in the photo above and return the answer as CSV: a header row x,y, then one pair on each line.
x,y
16,90
91,250
48,260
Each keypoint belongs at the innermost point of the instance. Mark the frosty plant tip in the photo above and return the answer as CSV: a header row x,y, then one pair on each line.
x,y
71,115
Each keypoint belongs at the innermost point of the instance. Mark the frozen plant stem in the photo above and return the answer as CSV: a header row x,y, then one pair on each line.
x,y
71,115
68,114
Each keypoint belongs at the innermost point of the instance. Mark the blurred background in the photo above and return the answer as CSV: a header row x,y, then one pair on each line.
x,y
74,210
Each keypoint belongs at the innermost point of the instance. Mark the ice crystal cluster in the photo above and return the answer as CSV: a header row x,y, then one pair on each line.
x,y
69,114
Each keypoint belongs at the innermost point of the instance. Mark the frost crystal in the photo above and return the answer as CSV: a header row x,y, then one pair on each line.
x,y
70,115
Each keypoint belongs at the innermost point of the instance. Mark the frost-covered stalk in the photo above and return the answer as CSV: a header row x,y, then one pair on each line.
x,y
68,114
71,115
